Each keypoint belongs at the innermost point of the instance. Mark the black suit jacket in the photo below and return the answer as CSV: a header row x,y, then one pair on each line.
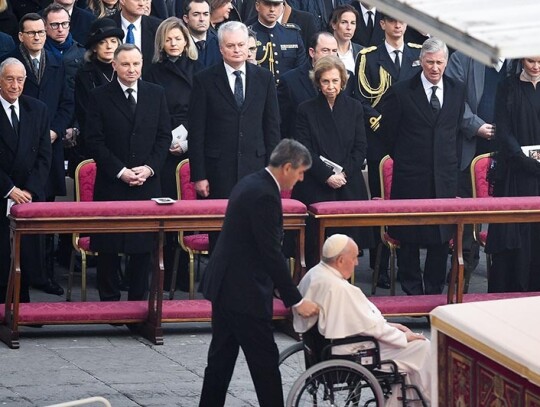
x,y
149,26
424,147
117,138
81,21
24,162
247,263
361,35
53,90
226,142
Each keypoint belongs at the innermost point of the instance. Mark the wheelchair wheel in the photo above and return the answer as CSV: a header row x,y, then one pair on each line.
x,y
292,364
336,383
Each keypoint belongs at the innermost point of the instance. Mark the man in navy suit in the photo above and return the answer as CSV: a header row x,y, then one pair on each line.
x,y
421,118
234,118
138,28
240,278
25,148
128,134
197,19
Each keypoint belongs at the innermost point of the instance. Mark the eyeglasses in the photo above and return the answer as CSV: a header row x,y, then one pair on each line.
x,y
252,49
41,33
56,26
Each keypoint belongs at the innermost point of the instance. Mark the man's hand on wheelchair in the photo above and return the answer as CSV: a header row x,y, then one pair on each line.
x,y
307,308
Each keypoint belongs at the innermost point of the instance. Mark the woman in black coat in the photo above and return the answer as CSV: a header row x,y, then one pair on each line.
x,y
96,71
174,64
331,126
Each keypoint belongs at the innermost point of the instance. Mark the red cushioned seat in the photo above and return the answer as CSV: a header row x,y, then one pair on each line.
x,y
198,242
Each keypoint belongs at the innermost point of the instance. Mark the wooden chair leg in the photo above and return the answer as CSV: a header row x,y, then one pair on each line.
x,y
84,268
392,269
174,272
191,275
375,275
70,274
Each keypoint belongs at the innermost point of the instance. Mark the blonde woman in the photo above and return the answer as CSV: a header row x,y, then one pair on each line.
x,y
103,8
174,64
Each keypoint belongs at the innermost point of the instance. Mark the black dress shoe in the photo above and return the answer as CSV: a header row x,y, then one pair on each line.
x,y
52,287
383,281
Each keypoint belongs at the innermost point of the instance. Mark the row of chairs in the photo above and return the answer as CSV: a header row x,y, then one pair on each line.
x,y
480,189
194,244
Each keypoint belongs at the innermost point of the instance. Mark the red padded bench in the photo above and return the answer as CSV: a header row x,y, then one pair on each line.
x,y
453,211
117,216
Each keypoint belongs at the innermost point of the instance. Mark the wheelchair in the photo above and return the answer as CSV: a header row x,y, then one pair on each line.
x,y
361,379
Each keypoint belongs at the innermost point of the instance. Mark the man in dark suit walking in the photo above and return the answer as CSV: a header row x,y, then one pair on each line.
x,y
242,273
234,118
128,134
421,118
25,148
138,28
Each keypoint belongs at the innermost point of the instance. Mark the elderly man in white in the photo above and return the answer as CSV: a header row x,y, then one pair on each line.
x,y
346,311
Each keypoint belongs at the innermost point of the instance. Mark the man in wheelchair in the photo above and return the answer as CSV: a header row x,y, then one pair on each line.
x,y
345,311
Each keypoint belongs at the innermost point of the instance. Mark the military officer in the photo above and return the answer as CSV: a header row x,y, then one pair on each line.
x,y
279,47
377,68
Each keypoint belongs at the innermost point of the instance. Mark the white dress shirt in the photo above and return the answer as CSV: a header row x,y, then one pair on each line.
x,y
427,88
136,30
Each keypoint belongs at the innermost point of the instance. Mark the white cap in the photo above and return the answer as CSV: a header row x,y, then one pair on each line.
x,y
334,245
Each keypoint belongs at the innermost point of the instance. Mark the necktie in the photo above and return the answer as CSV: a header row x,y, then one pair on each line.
x,y
201,45
397,63
434,101
35,63
130,38
14,120
238,89
131,100
370,22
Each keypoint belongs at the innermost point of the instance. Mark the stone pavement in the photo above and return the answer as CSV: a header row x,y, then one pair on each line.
x,y
61,363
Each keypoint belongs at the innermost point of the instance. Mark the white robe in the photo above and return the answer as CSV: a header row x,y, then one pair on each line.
x,y
346,311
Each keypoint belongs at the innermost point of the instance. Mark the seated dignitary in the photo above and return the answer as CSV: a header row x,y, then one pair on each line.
x,y
25,148
345,311
331,126
128,131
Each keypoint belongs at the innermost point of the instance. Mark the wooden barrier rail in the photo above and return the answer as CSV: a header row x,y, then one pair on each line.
x,y
120,217
456,211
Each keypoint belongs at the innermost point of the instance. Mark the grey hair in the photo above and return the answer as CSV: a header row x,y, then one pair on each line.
x,y
290,151
231,26
332,260
432,45
11,61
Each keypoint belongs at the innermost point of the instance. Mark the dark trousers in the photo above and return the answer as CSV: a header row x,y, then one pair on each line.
x,y
108,279
230,331
410,274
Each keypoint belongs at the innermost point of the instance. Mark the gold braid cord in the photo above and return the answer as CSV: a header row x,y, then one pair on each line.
x,y
268,54
374,95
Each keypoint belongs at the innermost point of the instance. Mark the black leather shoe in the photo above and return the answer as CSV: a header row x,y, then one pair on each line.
x,y
52,287
383,281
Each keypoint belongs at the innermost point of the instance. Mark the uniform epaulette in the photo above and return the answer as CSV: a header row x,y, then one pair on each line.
x,y
413,45
292,25
368,49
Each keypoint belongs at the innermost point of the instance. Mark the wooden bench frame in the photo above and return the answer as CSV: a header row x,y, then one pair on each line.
x,y
159,224
458,212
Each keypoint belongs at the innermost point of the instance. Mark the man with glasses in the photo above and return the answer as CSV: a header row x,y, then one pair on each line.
x,y
81,19
46,81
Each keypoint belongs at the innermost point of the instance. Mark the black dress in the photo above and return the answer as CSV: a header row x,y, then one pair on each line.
x,y
515,247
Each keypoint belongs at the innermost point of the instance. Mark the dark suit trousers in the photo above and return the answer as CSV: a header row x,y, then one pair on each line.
x,y
108,279
410,273
230,331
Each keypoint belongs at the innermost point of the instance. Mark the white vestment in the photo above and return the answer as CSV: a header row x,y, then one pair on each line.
x,y
346,311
